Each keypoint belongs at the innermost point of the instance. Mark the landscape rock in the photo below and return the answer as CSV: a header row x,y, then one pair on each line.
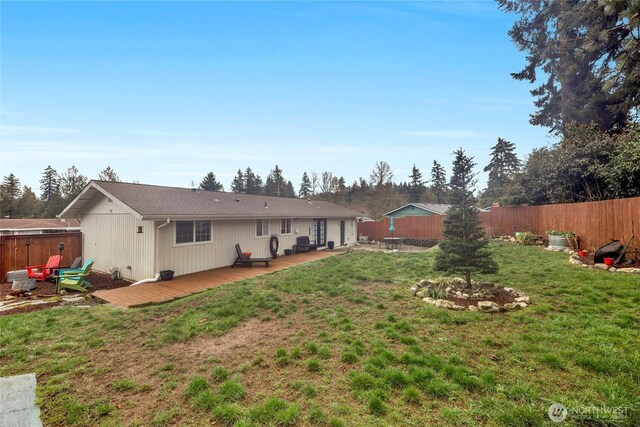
x,y
472,308
575,261
511,306
444,303
457,307
524,299
488,306
613,269
601,266
629,270
429,300
521,304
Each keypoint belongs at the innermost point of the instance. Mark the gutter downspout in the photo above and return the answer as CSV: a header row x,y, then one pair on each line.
x,y
156,257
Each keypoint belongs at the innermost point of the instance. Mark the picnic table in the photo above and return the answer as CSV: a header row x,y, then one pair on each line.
x,y
392,242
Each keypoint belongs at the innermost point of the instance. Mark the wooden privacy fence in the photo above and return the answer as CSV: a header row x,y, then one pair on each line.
x,y
13,251
595,223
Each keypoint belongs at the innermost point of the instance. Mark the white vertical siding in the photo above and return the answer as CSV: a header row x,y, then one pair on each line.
x,y
111,237
220,252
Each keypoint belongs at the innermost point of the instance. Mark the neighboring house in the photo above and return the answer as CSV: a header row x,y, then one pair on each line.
x,y
37,226
143,229
419,209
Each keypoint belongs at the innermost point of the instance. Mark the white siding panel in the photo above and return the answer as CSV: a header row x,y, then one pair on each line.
x,y
113,241
185,259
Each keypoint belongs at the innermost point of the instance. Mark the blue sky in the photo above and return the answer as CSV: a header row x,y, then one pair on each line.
x,y
164,92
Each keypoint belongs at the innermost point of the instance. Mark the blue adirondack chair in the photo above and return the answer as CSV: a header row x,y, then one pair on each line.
x,y
75,280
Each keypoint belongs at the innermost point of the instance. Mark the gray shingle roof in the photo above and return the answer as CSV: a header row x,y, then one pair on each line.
x,y
436,208
152,201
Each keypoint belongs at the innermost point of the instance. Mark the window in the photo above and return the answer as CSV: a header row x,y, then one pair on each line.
x,y
285,226
203,231
193,231
262,227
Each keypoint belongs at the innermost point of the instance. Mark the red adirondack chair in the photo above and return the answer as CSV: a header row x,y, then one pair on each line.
x,y
43,271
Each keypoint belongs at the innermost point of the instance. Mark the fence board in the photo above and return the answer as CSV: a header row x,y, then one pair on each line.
x,y
13,251
595,223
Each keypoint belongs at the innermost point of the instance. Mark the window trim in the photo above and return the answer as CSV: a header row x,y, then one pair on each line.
x,y
193,242
263,221
289,222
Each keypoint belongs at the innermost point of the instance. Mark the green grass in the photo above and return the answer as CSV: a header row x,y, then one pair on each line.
x,y
358,350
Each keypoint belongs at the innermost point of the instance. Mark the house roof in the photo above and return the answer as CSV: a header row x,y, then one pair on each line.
x,y
153,201
436,208
38,224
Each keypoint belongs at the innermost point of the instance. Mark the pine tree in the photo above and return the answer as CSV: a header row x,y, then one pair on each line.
x,y
71,183
28,206
439,182
238,183
252,182
275,184
10,194
587,54
502,168
305,186
108,174
289,190
49,185
463,250
416,186
210,183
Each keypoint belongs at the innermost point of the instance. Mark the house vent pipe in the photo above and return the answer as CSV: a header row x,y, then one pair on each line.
x,y
154,279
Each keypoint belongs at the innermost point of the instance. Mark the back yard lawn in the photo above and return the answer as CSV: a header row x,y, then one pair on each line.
x,y
342,342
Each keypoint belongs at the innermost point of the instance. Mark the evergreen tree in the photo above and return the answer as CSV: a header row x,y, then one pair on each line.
x,y
416,186
252,182
10,194
108,174
463,250
49,185
71,183
275,184
28,205
290,191
237,185
210,183
305,186
439,182
587,52
502,168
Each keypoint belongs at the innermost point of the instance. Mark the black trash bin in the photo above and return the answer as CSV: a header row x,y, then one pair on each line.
x,y
166,274
330,244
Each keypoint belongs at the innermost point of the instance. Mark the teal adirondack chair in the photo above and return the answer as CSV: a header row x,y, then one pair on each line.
x,y
75,280
87,264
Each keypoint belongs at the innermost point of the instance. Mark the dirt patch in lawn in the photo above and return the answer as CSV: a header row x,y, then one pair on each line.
x,y
240,341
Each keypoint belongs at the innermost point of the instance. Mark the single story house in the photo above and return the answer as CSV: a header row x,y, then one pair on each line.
x,y
419,209
22,226
143,229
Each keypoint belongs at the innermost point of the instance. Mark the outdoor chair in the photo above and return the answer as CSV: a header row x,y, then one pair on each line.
x,y
43,272
76,262
303,245
75,269
75,280
245,261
